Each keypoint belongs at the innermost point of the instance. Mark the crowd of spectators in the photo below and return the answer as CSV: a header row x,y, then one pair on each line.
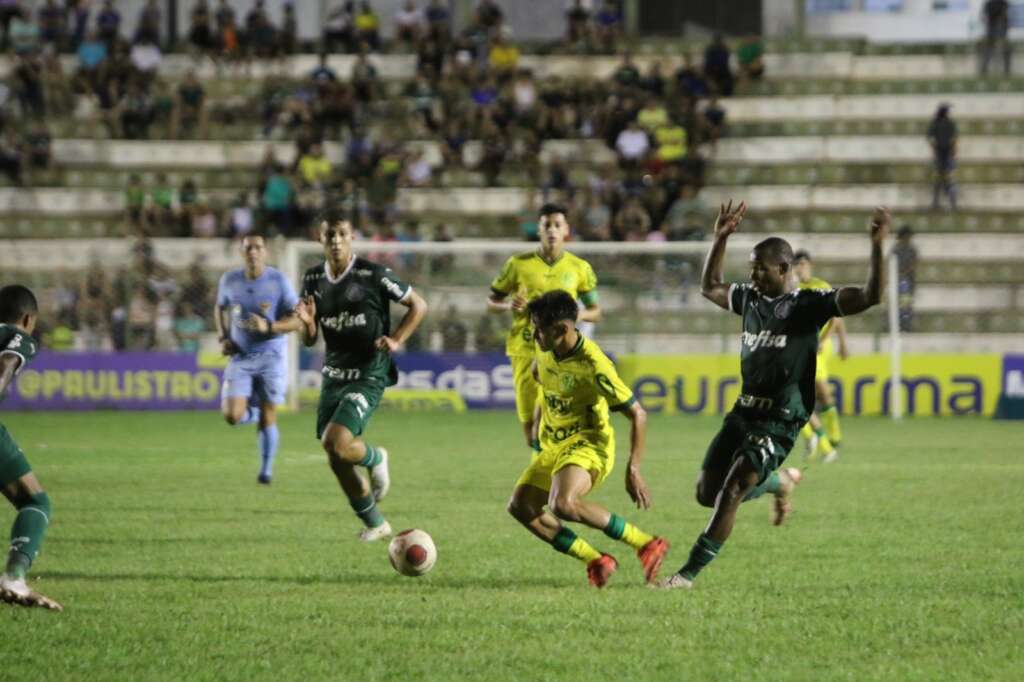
x,y
141,306
470,96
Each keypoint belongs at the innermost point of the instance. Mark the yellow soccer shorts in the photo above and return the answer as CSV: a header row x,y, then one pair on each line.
x,y
599,461
825,353
527,388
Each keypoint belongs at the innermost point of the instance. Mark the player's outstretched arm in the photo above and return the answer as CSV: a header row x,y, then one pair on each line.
x,y
853,300
636,487
417,310
306,312
286,325
712,285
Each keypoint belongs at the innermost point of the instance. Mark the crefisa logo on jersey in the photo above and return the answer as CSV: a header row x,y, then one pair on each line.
x,y
764,339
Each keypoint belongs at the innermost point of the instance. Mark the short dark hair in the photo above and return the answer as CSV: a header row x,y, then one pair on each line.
x,y
16,301
332,216
802,254
255,234
553,307
551,209
776,248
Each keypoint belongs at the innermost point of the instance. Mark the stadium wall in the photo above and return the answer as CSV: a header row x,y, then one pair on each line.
x,y
934,384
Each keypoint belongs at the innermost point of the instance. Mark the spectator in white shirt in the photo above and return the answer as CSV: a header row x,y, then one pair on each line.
x,y
632,145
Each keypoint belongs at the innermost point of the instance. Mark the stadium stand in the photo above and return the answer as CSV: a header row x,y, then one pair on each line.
x,y
833,128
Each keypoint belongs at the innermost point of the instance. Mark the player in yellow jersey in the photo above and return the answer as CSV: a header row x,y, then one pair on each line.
x,y
526,276
822,431
579,386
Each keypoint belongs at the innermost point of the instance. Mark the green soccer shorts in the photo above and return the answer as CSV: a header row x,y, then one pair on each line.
x,y
13,464
764,441
348,403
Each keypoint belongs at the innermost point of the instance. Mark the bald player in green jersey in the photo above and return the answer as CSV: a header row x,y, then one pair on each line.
x,y
781,324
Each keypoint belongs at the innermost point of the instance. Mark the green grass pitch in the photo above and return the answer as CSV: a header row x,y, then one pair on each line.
x,y
902,561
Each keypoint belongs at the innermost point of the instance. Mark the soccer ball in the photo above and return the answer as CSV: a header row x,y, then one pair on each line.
x,y
412,552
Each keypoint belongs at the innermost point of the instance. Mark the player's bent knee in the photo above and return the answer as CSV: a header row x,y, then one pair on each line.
x,y
565,508
39,501
705,497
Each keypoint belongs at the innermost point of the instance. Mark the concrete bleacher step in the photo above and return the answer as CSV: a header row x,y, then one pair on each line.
x,y
19,226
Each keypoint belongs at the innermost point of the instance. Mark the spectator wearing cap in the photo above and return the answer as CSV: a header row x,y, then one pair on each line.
x,y
942,135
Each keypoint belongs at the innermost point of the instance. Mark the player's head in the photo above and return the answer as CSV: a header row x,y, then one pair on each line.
x,y
18,306
803,265
336,234
553,226
771,262
254,251
553,316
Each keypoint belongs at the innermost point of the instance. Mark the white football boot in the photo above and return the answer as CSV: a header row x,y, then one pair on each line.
x,y
373,534
674,582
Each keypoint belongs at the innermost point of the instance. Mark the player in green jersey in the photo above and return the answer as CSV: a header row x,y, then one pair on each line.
x,y
348,299
18,313
781,324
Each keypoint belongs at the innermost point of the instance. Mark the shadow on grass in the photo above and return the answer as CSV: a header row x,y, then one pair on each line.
x,y
386,579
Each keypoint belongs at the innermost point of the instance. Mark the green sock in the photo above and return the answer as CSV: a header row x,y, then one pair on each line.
x,y
567,542
535,445
772,484
703,552
372,458
366,509
27,534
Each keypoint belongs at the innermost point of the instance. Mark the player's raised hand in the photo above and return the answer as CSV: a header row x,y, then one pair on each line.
x,y
729,218
636,488
386,344
879,227
306,309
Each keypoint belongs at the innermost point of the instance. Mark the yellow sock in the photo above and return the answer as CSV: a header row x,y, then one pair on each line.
x,y
583,550
824,444
567,542
807,432
620,529
830,420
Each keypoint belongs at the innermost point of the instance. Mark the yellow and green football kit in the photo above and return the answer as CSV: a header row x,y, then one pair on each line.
x,y
577,393
529,275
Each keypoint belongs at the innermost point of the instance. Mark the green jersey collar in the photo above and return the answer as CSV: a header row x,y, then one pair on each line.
x,y
575,349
